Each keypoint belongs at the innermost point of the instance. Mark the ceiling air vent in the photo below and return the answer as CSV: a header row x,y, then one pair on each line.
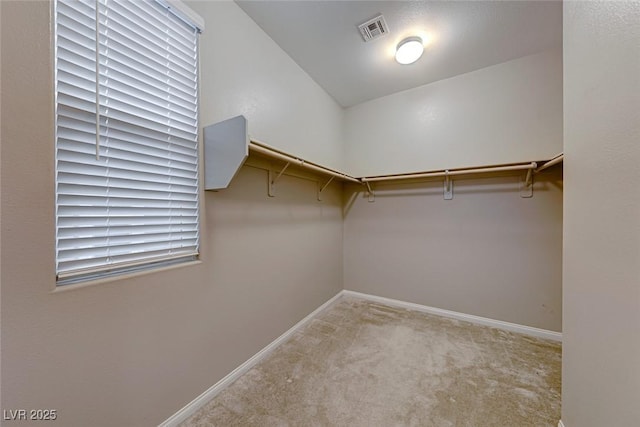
x,y
373,28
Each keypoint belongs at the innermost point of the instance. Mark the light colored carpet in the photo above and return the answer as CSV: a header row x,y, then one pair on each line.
x,y
365,364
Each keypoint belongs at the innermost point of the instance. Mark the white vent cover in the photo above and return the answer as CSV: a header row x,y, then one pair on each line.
x,y
373,28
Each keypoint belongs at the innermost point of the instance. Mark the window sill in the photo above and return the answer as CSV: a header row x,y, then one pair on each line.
x,y
125,276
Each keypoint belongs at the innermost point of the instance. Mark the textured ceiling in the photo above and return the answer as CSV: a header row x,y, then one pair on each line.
x,y
323,38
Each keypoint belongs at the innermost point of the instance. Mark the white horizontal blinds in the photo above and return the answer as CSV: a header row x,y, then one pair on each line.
x,y
127,190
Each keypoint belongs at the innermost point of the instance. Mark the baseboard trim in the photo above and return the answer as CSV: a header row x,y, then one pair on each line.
x,y
560,423
512,327
193,406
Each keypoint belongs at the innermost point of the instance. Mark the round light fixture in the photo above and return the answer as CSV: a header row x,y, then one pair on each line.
x,y
409,50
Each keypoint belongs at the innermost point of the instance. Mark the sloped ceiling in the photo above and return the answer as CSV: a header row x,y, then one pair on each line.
x,y
463,36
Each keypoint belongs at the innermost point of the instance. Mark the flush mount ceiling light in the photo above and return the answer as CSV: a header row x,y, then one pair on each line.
x,y
409,50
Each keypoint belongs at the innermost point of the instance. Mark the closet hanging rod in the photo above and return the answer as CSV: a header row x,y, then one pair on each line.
x,y
557,159
276,154
453,172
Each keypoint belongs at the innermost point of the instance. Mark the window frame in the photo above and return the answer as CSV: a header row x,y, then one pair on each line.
x,y
142,264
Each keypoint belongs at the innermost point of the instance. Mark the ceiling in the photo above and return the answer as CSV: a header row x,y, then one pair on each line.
x,y
323,38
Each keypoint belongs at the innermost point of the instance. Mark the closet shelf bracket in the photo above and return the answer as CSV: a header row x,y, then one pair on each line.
x,y
526,182
273,180
448,186
370,194
322,187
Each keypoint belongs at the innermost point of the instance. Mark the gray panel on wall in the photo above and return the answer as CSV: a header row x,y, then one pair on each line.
x,y
226,147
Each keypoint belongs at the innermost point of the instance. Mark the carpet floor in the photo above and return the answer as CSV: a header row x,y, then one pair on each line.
x,y
364,364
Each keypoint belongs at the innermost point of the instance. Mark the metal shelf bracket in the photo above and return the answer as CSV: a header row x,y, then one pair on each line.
x,y
448,186
370,193
273,180
322,187
526,183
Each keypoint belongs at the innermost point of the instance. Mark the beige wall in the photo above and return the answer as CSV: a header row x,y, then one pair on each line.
x,y
487,252
133,351
245,72
507,113
0,209
601,276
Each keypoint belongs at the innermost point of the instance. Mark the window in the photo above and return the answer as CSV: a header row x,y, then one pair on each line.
x,y
126,136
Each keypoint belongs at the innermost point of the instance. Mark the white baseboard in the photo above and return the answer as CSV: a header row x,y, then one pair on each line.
x,y
193,406
560,423
513,327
